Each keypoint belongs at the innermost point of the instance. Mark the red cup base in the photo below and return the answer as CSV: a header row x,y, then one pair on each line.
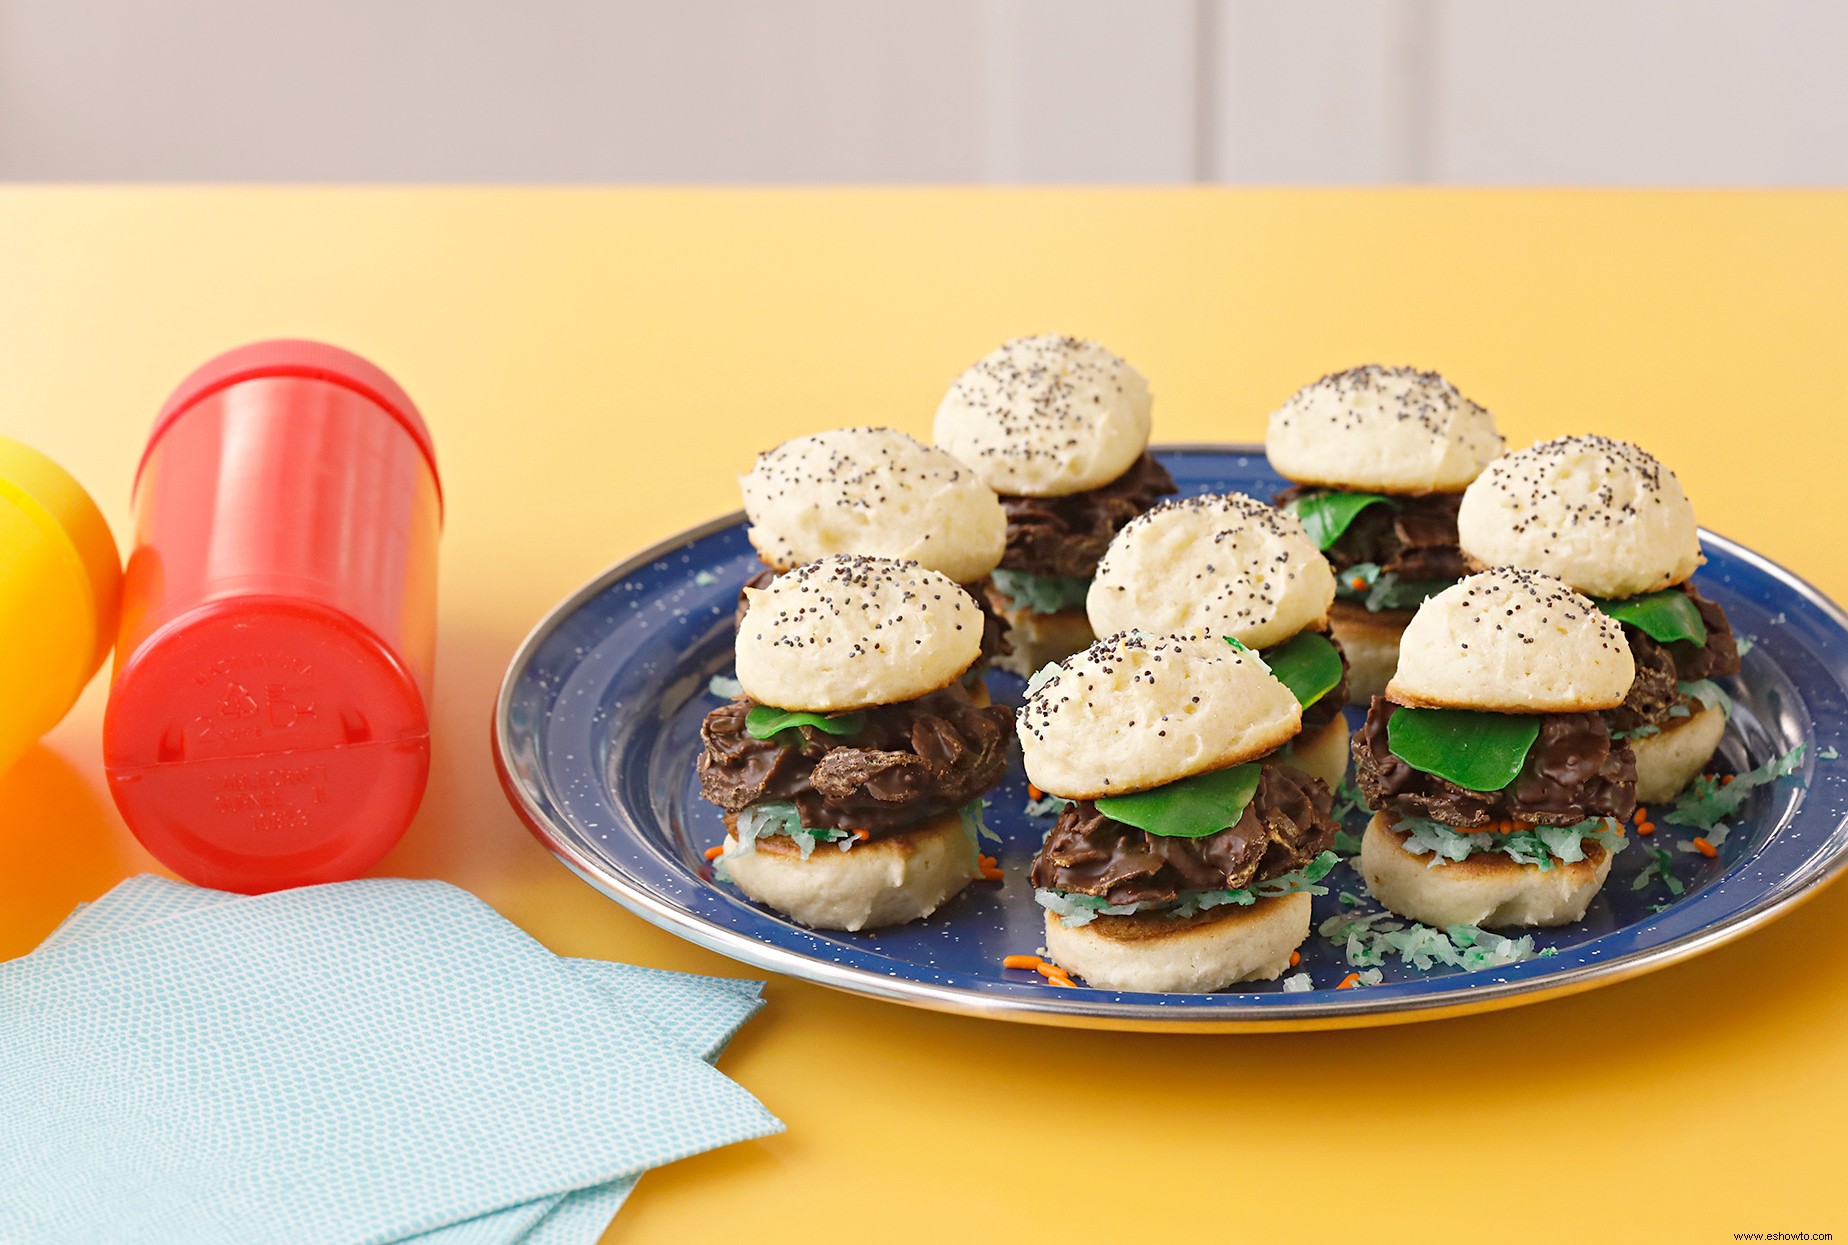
x,y
259,743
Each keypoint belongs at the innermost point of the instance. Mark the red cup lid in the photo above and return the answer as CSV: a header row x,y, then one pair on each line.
x,y
310,360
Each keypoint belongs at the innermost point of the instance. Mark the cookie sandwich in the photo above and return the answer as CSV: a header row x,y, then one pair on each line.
x,y
1379,458
1188,850
1226,566
852,765
879,493
1060,429
1608,519
1498,793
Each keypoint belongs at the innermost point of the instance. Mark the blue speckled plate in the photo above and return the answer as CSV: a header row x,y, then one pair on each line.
x,y
597,728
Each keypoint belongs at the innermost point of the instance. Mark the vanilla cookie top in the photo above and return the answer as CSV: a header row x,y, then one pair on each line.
x,y
853,632
1382,429
1218,565
1135,711
1046,416
873,491
1601,515
1512,641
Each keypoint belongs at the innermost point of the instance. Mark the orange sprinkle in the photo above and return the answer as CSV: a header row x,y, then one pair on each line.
x,y
1349,982
1021,961
991,874
1034,792
1705,848
1357,583
1726,781
1065,982
1491,827
1296,957
1642,814
861,835
1046,968
713,853
1645,827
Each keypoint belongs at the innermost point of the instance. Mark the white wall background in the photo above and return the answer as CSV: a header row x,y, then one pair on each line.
x,y
1594,92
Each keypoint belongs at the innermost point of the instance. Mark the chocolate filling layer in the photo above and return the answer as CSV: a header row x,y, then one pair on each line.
x,y
1661,667
1067,535
908,762
994,627
1416,539
1574,771
1282,829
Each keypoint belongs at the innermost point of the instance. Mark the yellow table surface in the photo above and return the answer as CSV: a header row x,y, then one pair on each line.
x,y
597,368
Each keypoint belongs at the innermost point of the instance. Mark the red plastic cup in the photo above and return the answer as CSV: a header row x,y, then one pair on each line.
x,y
269,721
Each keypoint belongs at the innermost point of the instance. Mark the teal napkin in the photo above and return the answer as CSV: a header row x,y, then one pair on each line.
x,y
699,1013
371,1061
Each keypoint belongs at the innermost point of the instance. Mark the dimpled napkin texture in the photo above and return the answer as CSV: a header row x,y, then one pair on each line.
x,y
359,1062
700,1013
